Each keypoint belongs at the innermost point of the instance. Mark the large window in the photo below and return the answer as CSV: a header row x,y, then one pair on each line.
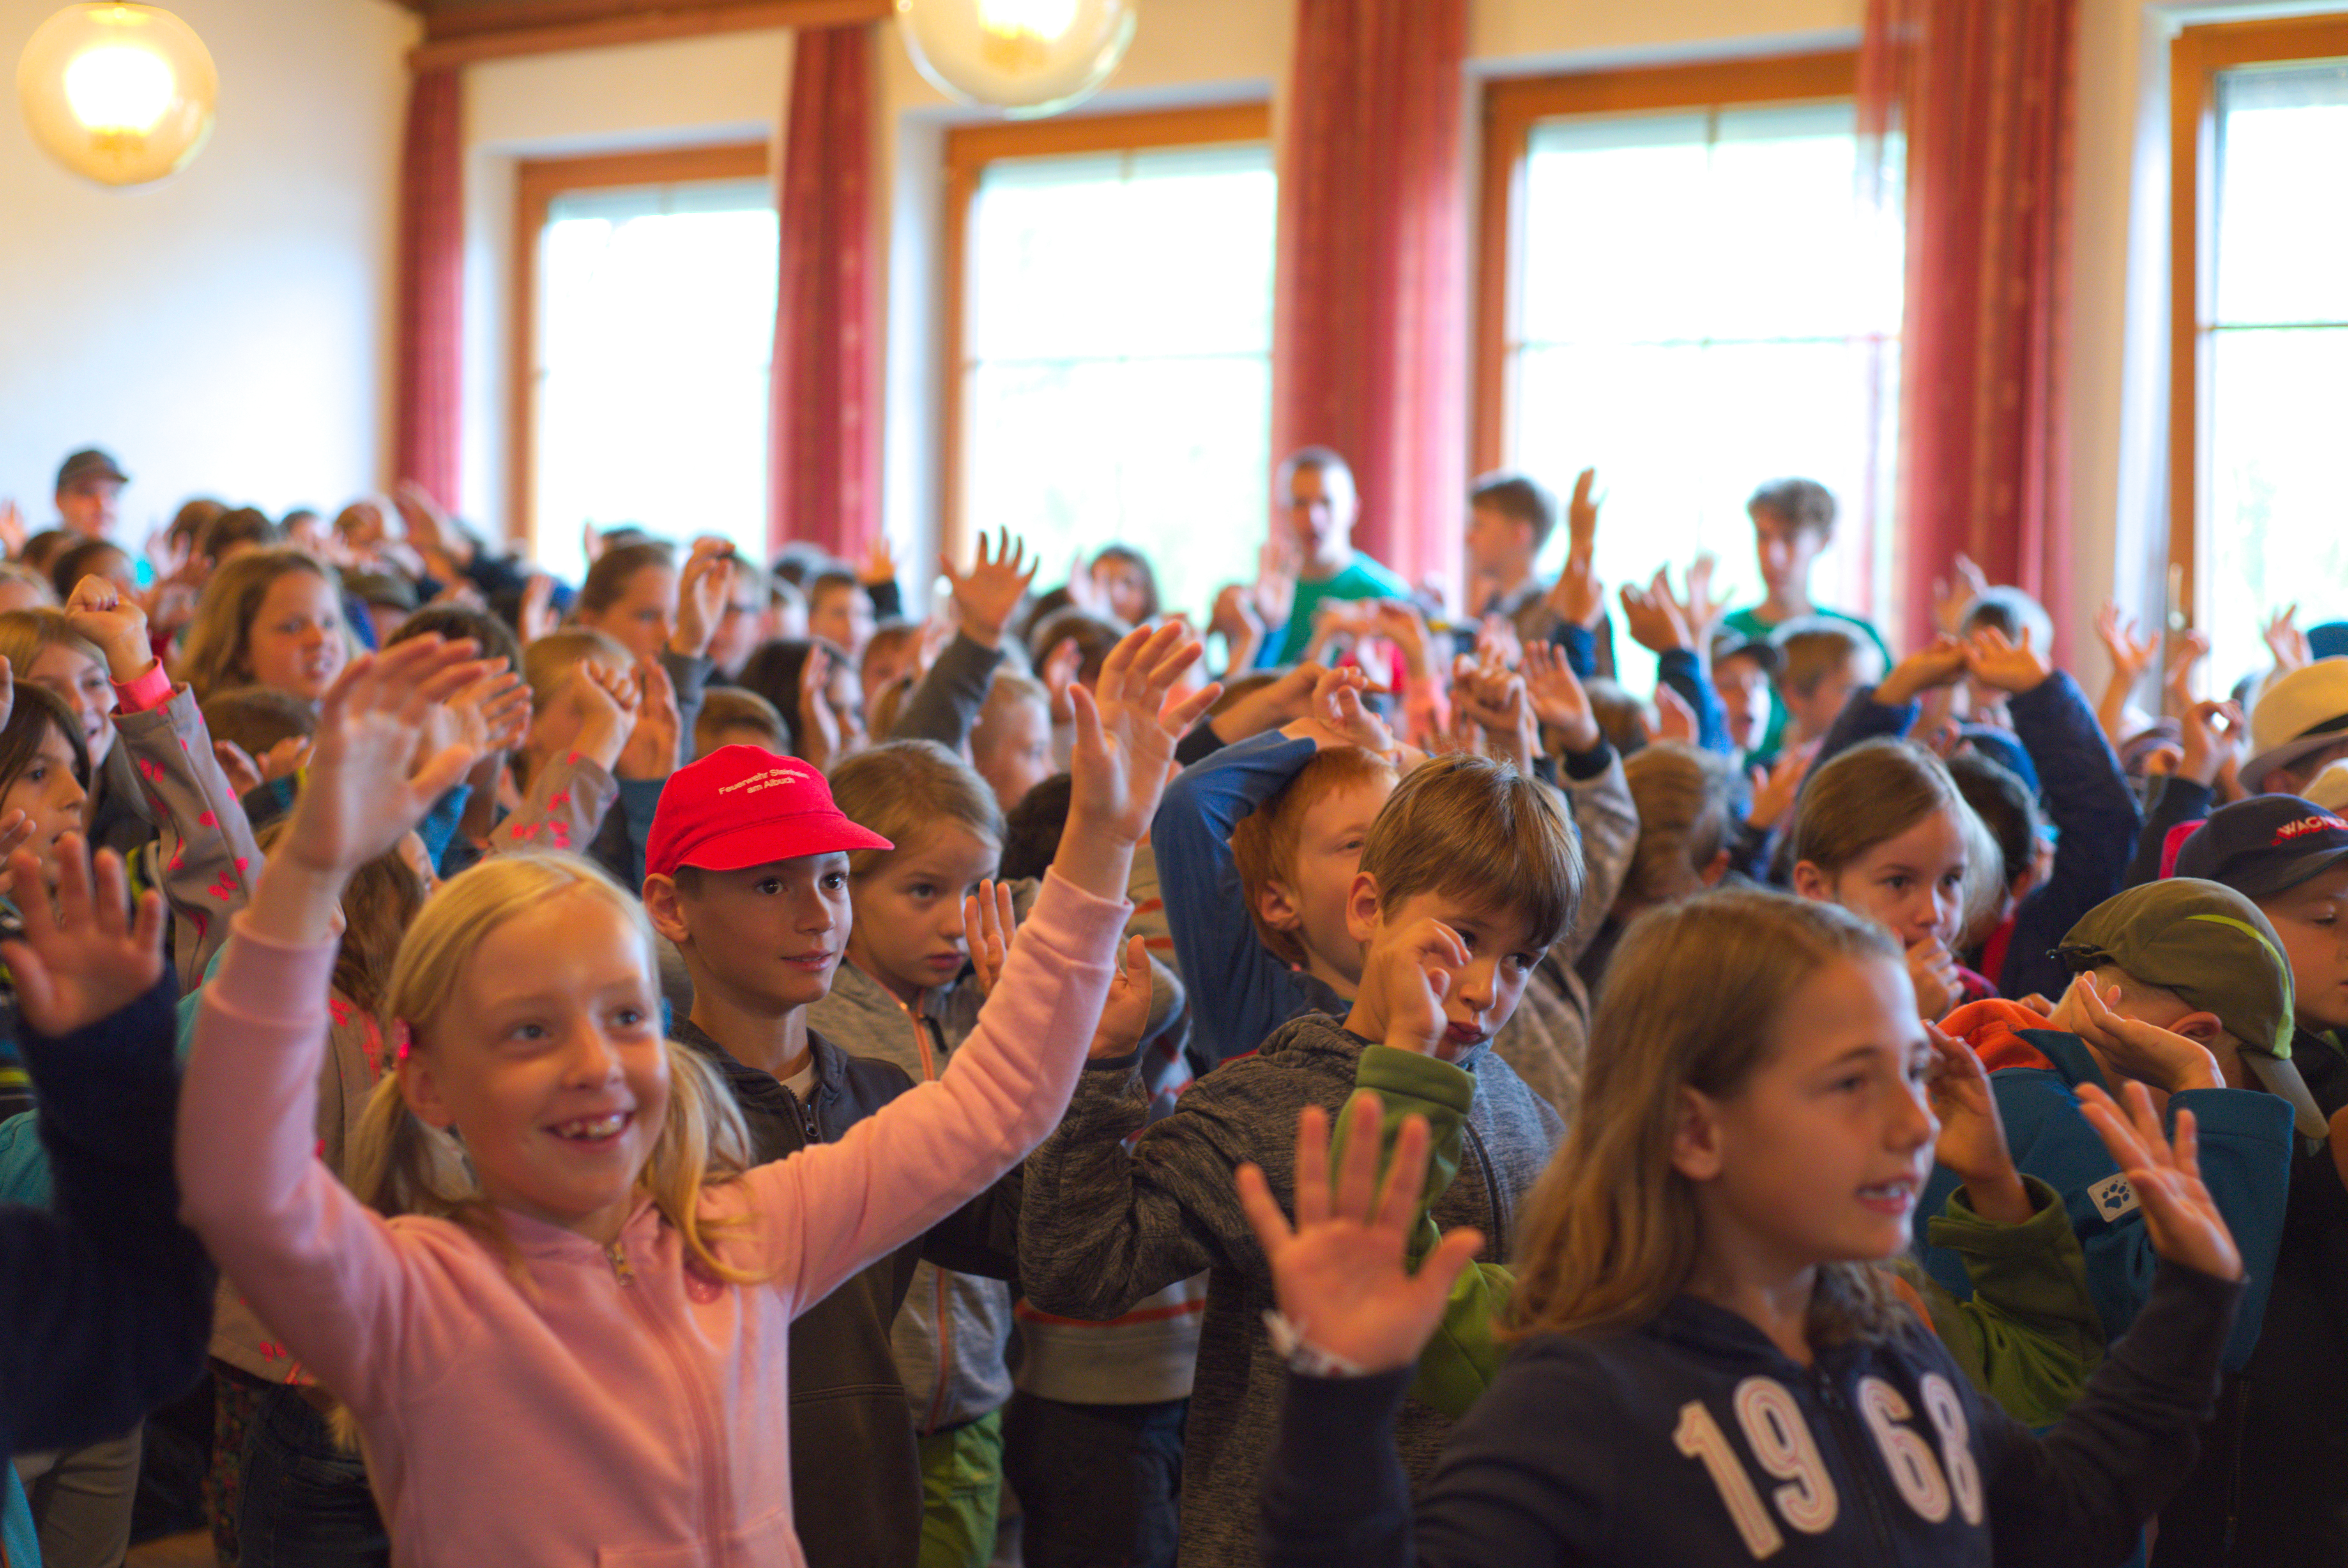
x,y
1684,290
1110,370
646,294
2260,351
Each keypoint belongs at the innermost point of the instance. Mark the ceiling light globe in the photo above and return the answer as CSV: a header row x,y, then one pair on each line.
x,y
1027,57
118,93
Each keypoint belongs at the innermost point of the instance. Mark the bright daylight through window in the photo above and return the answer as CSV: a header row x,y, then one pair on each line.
x,y
1700,303
656,322
1117,358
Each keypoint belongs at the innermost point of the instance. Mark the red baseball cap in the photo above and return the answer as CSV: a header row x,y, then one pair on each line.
x,y
743,805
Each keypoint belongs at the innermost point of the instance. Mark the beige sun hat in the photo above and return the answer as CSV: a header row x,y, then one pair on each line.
x,y
2305,711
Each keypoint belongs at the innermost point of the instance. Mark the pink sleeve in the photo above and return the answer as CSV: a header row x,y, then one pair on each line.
x,y
830,1210
151,689
309,1257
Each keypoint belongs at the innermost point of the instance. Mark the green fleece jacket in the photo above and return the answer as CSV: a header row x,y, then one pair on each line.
x,y
2028,1337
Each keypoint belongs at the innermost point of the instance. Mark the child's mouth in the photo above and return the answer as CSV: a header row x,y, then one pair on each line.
x,y
595,1130
1894,1198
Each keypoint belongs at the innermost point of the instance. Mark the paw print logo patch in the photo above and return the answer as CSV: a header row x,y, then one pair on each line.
x,y
2113,1198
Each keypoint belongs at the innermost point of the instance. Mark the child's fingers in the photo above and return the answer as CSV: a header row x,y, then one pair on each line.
x,y
112,905
2185,1151
1357,1179
1272,1232
1087,717
1007,913
73,902
1180,713
1136,964
1442,1267
36,989
1405,1176
1312,1167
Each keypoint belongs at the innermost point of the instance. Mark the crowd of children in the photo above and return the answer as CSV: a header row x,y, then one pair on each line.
x,y
710,1066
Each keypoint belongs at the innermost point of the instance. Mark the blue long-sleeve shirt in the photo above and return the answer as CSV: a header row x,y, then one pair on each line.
x,y
1684,673
105,1299
1239,991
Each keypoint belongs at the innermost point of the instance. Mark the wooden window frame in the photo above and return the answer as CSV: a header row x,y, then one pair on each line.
x,y
1512,107
968,151
537,183
2196,57
492,32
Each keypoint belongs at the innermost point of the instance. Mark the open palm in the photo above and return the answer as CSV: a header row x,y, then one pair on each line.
x,y
88,955
367,785
1125,732
1343,1274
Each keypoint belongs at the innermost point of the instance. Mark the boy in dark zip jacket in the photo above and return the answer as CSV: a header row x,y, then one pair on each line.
x,y
2094,813
104,1297
1461,838
2271,1490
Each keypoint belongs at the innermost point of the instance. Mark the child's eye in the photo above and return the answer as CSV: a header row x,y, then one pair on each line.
x,y
1522,963
629,1017
1851,1084
527,1032
834,881
923,891
1897,881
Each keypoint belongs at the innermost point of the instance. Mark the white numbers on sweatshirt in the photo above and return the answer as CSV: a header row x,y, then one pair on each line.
x,y
1783,1446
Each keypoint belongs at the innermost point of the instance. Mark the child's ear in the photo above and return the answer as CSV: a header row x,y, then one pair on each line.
x,y
1362,909
1275,906
1810,882
666,906
1696,1151
2202,1028
422,1092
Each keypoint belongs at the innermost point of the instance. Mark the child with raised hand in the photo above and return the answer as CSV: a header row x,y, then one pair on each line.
x,y
1700,1261
946,703
105,1298
2092,811
1116,1206
571,1343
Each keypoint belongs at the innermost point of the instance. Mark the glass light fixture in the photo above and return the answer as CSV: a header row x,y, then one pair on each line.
x,y
1027,57
120,93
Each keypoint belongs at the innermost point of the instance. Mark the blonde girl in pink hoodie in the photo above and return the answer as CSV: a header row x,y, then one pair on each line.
x,y
568,1346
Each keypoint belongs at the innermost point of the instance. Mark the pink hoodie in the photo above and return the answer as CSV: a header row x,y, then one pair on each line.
x,y
625,1408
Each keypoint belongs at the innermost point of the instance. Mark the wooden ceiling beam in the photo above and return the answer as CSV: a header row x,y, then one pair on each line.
x,y
460,36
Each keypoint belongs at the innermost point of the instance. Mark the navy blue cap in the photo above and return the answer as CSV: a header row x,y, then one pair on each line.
x,y
2265,845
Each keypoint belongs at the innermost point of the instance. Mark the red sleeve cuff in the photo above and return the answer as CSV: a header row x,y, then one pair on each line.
x,y
151,689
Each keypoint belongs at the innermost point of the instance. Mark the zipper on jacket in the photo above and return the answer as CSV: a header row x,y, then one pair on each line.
x,y
1500,1236
1847,1436
622,1269
717,1505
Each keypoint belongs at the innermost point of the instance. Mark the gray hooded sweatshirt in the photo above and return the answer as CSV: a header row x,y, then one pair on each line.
x,y
1101,1227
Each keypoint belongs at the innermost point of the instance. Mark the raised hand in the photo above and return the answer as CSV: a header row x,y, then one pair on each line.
x,y
1283,700
1335,716
2212,735
367,785
1936,664
1496,641
1702,608
1653,617
2192,649
101,612
493,712
1343,1274
989,921
2166,1061
2285,640
1582,514
1973,1136
1494,698
2131,655
2166,1177
651,748
1124,753
1774,790
819,727
2009,666
83,956
1951,599
1125,1017
536,618
701,593
1558,699
1059,672
1674,720
989,593
12,533
1275,581
243,772
879,561
1578,597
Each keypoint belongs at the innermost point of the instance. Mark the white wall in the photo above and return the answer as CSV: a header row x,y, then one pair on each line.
x,y
228,331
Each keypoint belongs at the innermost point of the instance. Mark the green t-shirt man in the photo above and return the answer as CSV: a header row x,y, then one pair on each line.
x,y
1315,497
1793,520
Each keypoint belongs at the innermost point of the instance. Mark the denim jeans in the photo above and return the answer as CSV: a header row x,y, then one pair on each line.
x,y
304,1502
1099,1485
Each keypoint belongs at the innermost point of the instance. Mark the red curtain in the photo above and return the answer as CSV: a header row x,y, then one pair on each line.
x,y
427,347
1369,342
823,449
1984,92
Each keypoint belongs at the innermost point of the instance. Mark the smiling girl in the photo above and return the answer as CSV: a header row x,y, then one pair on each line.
x,y
1711,1367
270,617
566,1345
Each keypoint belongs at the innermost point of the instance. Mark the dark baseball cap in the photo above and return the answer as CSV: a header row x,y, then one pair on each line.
x,y
2266,845
2208,945
89,463
1728,642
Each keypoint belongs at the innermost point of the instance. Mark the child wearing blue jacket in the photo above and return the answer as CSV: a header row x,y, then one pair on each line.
x,y
2094,812
1709,1370
2181,987
104,1297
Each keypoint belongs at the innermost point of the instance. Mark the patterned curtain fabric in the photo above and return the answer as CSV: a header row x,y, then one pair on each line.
x,y
428,347
1983,93
824,437
1369,339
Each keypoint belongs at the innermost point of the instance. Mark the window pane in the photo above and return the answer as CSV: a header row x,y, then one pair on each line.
x,y
2281,242
1703,304
656,321
2278,470
1118,334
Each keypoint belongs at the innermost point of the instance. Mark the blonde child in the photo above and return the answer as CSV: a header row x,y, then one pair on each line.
x,y
268,617
1700,1260
569,1345
1882,831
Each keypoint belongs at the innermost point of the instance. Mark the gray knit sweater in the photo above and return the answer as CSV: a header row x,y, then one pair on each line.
x,y
1102,1228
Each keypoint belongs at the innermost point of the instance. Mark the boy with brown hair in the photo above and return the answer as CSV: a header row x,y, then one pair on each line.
x,y
1793,523
1820,663
1470,870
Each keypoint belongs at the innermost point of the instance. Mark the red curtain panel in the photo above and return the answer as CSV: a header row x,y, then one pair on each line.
x,y
824,437
428,344
1984,92
1369,340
